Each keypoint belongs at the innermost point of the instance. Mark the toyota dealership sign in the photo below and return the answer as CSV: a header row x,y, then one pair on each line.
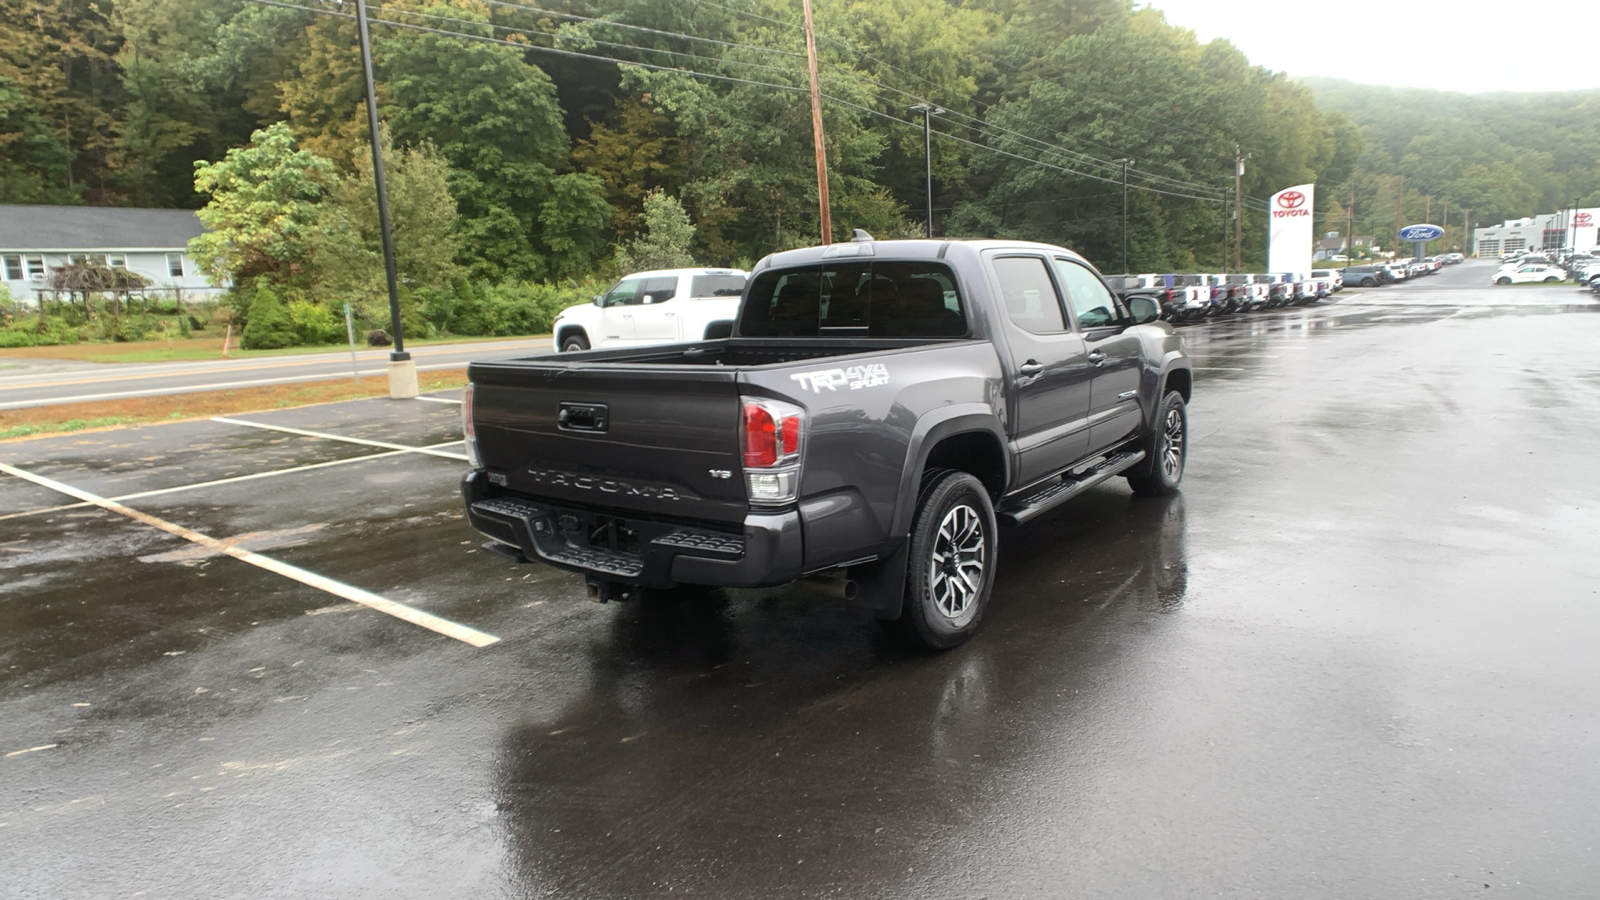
x,y
1290,231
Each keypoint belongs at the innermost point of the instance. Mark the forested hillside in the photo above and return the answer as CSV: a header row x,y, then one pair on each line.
x,y
1499,155
550,153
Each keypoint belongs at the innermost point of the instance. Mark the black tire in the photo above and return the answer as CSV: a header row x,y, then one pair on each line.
x,y
953,536
574,342
1502,281
1551,280
1168,449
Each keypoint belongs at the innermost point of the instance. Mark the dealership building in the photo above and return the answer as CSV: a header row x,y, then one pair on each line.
x,y
1569,228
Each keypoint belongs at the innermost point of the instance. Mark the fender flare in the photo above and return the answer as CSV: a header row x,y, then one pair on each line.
x,y
948,421
883,583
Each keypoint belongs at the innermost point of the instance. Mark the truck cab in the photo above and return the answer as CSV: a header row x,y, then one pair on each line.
x,y
648,308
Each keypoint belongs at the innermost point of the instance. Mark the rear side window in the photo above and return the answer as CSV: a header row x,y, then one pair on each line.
x,y
1029,295
876,299
716,286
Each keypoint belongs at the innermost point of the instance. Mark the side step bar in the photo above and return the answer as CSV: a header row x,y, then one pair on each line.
x,y
1053,495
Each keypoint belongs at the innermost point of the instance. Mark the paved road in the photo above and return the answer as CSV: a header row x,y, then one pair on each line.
x,y
28,382
1355,658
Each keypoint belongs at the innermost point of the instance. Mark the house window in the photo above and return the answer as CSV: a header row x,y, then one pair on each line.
x,y
77,259
13,268
175,265
117,260
35,267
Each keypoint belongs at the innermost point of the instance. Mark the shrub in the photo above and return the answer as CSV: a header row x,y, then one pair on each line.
x,y
314,323
269,326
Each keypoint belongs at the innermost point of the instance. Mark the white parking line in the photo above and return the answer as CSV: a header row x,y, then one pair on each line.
x,y
339,437
368,599
440,400
237,478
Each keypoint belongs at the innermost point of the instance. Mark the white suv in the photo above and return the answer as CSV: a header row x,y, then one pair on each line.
x,y
661,307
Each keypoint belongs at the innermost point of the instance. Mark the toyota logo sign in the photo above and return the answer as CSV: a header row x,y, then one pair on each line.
x,y
1291,199
1583,220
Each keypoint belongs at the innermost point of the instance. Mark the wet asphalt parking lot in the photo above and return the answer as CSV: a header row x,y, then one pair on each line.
x,y
1356,657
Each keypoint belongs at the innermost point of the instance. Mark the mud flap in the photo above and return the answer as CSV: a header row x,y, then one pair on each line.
x,y
882,584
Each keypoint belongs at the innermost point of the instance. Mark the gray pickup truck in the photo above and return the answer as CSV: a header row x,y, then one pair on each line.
x,y
879,409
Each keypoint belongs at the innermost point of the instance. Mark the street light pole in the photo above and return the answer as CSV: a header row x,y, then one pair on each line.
x,y
1125,163
928,111
402,369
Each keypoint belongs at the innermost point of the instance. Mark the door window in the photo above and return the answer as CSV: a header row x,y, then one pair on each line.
x,y
626,293
1029,295
1090,301
658,290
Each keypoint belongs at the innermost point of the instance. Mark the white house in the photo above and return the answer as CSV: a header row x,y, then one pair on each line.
x,y
152,242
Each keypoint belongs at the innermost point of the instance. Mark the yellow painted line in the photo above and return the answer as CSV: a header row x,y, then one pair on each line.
x,y
368,599
213,368
42,510
349,440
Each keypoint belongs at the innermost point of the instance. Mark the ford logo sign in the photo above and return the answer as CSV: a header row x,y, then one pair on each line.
x,y
1421,233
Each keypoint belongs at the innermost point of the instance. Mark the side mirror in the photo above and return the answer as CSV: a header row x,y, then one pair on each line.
x,y
599,300
1144,310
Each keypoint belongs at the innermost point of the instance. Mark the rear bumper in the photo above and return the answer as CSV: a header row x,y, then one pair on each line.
x,y
767,551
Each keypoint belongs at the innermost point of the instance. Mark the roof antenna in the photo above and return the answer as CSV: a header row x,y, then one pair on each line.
x,y
857,235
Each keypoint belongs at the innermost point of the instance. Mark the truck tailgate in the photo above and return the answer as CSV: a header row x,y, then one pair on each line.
x,y
646,439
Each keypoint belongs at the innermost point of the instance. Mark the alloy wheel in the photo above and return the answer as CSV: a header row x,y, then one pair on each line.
x,y
955,571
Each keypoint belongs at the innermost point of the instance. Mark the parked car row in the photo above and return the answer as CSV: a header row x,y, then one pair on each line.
x,y
1192,297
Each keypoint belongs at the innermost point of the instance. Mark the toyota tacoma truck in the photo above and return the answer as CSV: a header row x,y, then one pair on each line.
x,y
878,410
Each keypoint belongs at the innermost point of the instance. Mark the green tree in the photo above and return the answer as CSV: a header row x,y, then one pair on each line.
x,y
266,216
269,326
668,236
495,119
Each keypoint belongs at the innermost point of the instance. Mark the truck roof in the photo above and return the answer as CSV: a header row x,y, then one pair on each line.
x,y
664,273
911,248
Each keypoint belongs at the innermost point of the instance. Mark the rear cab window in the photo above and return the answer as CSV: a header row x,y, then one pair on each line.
x,y
878,298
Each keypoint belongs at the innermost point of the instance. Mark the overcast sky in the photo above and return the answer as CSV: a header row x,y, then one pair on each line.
x,y
1471,47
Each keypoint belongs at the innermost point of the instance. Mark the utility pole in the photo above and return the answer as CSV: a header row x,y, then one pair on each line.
x,y
1574,247
1399,203
1427,214
1125,163
1238,224
1444,221
928,111
816,127
402,369
1466,232
1224,248
1349,226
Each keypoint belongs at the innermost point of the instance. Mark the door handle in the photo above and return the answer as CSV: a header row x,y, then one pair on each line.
x,y
1096,357
1030,368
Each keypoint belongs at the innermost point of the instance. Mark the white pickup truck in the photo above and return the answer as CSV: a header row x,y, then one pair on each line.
x,y
662,307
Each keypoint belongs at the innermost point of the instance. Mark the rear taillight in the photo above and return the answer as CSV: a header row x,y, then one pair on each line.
x,y
772,432
468,431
